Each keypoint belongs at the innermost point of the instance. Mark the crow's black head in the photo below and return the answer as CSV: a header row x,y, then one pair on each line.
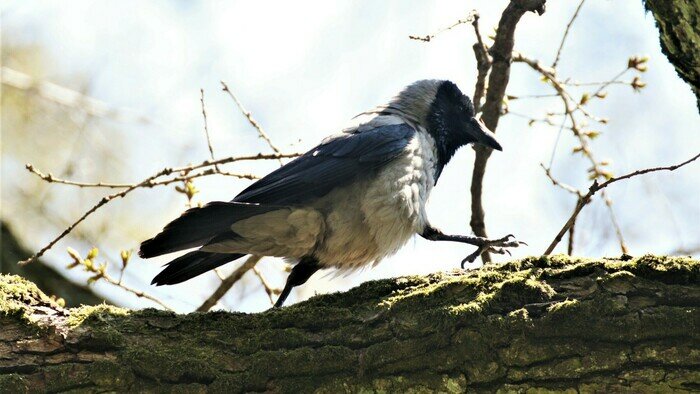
x,y
452,123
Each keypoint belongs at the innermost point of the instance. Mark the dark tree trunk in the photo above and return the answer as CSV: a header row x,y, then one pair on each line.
x,y
620,325
679,29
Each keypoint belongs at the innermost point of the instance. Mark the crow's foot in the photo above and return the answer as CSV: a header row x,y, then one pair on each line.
x,y
497,246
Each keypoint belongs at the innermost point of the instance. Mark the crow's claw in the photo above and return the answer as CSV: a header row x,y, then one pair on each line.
x,y
497,246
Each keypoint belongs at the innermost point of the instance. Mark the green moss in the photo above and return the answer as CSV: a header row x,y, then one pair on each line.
x,y
13,383
76,376
415,384
562,306
668,352
20,295
164,363
534,318
88,313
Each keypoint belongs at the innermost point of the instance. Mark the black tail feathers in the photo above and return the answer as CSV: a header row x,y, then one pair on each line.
x,y
190,265
198,225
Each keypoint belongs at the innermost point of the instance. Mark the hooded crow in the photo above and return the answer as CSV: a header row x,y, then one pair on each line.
x,y
351,201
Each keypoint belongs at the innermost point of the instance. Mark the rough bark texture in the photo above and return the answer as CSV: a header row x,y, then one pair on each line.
x,y
679,30
501,57
557,323
48,279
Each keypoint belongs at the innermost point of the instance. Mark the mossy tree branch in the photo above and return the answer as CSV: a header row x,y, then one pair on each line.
x,y
550,322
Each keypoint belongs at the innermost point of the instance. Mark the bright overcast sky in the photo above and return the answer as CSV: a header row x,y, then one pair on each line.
x,y
306,67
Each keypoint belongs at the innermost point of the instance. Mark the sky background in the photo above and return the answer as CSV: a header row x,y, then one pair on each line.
x,y
304,68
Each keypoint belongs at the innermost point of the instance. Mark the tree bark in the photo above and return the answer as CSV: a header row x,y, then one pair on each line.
x,y
679,30
556,323
501,58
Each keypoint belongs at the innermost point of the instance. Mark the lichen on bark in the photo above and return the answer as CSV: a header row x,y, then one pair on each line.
x,y
555,323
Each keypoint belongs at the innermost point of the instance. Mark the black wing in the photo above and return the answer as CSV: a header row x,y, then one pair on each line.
x,y
332,164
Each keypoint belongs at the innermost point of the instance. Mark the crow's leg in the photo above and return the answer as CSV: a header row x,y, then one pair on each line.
x,y
301,272
497,246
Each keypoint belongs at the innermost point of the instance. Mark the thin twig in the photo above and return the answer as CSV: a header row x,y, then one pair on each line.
x,y
601,83
52,179
602,87
135,292
251,119
570,107
530,96
271,292
99,272
557,183
227,283
109,185
615,223
595,187
97,206
206,128
556,142
220,274
429,37
572,232
566,33
150,182
547,121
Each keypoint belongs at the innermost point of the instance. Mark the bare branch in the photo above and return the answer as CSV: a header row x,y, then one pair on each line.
x,y
483,64
109,185
51,179
566,33
220,274
206,128
99,271
68,97
599,83
429,37
562,185
570,245
501,54
97,206
571,106
530,96
227,283
269,290
150,182
251,120
595,187
137,293
615,223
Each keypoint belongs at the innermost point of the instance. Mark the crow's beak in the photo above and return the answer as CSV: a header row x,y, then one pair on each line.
x,y
479,132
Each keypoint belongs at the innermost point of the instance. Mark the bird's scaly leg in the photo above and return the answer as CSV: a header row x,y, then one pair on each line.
x,y
498,246
299,275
